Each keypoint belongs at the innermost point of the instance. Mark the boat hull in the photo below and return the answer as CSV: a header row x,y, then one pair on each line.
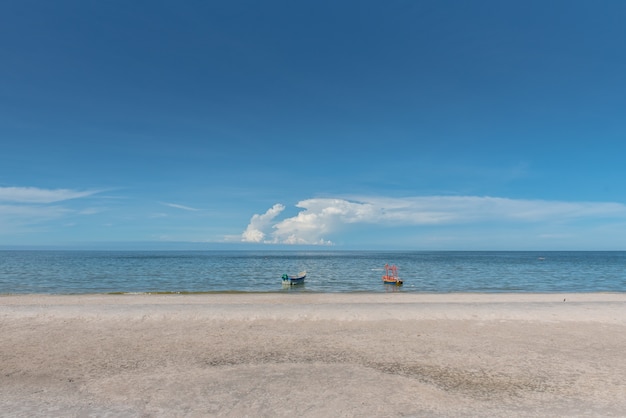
x,y
393,281
293,280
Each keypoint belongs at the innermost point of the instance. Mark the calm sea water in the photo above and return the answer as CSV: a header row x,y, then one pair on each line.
x,y
72,272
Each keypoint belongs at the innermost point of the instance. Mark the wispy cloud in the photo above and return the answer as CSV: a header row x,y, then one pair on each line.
x,y
12,212
158,215
19,218
37,195
21,207
174,205
320,218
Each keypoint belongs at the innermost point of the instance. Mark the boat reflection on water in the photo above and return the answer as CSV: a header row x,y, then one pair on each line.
x,y
301,288
392,287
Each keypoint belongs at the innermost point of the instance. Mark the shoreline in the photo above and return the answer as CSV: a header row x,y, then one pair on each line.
x,y
313,355
541,307
354,293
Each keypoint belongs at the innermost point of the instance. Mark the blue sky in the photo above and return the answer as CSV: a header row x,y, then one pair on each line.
x,y
418,125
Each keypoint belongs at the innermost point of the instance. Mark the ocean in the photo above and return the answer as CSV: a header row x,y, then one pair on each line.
x,y
85,272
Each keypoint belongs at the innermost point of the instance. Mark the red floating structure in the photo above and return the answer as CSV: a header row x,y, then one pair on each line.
x,y
391,275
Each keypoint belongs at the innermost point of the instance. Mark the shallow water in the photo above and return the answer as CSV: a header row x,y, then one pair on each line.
x,y
69,272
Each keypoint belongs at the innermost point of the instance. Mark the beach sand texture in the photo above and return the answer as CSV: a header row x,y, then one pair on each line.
x,y
313,355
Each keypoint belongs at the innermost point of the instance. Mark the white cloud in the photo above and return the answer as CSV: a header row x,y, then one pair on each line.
x,y
321,218
259,224
36,195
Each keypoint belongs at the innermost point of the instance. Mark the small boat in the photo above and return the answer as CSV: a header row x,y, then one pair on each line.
x,y
391,275
291,280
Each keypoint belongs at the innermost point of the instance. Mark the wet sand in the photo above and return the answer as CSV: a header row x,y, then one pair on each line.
x,y
313,355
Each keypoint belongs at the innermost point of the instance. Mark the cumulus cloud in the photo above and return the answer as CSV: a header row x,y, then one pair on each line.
x,y
37,195
261,224
320,218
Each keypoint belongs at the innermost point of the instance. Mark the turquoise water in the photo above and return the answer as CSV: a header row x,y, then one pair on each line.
x,y
76,272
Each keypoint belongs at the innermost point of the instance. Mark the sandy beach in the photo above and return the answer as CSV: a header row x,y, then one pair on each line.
x,y
313,355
